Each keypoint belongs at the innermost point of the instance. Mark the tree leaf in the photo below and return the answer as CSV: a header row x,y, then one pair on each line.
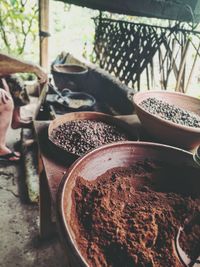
x,y
12,2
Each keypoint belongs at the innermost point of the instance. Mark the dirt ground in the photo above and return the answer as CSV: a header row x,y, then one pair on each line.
x,y
20,244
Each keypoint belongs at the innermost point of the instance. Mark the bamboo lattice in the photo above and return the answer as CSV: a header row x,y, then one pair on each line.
x,y
129,50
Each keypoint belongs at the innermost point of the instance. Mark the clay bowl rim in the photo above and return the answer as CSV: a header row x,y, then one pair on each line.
x,y
79,66
66,178
85,115
159,119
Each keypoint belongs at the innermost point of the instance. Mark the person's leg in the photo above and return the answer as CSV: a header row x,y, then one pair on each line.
x,y
18,122
6,110
20,97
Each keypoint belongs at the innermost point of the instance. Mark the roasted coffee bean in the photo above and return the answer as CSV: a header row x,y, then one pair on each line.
x,y
80,136
170,112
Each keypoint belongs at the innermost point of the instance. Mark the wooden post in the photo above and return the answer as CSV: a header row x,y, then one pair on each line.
x,y
44,32
182,65
192,69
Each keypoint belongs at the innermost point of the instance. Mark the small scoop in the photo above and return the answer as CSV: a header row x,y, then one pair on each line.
x,y
55,90
184,258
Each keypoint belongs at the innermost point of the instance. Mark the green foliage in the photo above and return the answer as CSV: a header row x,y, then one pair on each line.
x,y
18,25
12,2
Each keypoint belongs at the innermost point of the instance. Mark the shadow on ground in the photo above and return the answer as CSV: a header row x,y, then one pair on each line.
x,y
19,232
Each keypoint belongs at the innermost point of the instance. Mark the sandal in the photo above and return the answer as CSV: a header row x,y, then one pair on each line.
x,y
8,157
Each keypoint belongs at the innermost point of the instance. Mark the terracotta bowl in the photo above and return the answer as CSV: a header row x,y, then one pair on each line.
x,y
90,115
70,69
124,154
165,131
67,75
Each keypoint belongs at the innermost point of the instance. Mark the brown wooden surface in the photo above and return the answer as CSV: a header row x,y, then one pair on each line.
x,y
146,8
54,162
52,165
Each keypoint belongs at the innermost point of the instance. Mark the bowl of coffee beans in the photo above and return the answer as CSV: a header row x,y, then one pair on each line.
x,y
170,117
79,132
123,203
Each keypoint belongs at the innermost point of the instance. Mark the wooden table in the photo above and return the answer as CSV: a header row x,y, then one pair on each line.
x,y
53,163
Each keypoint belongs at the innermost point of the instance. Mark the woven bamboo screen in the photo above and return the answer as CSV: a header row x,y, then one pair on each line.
x,y
143,55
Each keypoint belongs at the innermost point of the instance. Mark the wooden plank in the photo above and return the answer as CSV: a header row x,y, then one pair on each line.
x,y
29,155
149,8
44,32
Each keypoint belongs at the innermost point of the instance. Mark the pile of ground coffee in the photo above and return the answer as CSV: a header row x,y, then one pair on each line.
x,y
127,218
170,112
80,136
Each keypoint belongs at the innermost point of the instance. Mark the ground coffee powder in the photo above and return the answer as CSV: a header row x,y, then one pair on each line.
x,y
130,216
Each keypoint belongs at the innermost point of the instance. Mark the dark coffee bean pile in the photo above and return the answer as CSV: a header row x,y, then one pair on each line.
x,y
170,112
80,136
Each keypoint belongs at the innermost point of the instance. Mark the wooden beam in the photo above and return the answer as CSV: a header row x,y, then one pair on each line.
x,y
44,32
177,10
